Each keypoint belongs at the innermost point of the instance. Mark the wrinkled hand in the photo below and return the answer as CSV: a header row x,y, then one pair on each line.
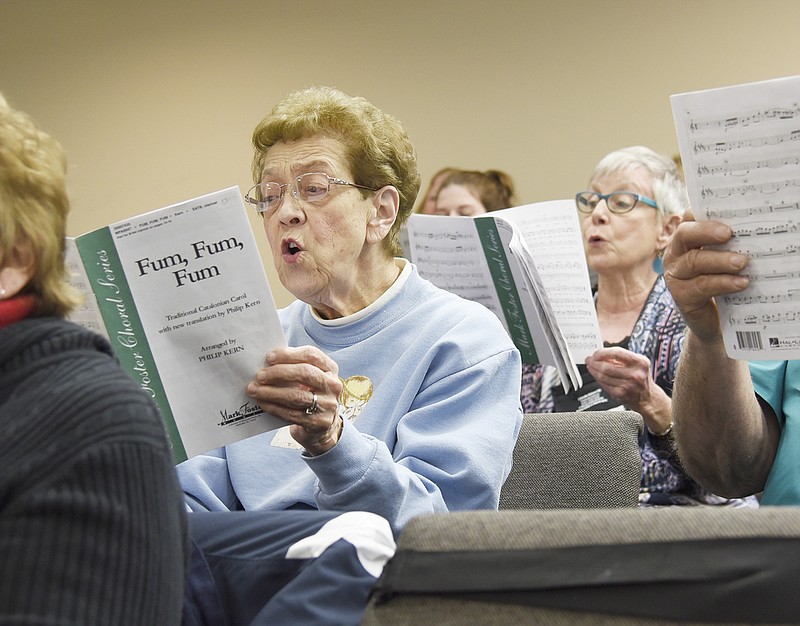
x,y
625,376
285,388
695,273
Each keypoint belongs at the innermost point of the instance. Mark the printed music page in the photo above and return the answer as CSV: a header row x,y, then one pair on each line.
x,y
447,251
740,148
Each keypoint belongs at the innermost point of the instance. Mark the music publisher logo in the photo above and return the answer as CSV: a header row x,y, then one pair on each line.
x,y
784,343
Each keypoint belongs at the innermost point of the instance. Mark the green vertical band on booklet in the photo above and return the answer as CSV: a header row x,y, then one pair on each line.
x,y
125,330
510,301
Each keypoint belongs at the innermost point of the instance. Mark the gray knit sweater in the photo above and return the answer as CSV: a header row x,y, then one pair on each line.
x,y
92,528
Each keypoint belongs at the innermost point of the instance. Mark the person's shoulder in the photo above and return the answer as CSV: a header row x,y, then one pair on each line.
x,y
84,372
469,323
72,396
36,344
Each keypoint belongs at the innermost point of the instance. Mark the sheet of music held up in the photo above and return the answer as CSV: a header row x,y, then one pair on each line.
x,y
740,148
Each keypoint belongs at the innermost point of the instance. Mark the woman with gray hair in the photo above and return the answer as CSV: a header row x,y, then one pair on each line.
x,y
634,202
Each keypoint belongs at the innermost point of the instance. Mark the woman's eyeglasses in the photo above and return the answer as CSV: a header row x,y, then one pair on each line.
x,y
617,201
310,187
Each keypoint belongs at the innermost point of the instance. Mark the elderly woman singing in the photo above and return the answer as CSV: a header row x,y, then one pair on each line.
x,y
399,398
633,204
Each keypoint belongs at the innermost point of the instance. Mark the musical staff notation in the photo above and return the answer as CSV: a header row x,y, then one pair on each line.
x,y
718,147
740,299
740,148
791,316
789,250
776,275
744,190
745,167
745,119
746,230
732,214
447,250
439,236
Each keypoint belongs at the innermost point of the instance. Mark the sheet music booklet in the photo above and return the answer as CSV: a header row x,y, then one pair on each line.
x,y
182,295
527,265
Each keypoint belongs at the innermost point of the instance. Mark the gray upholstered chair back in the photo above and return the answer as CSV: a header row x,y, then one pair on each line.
x,y
673,565
575,460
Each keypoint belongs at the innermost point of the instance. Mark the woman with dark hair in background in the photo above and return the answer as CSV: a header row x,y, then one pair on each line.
x,y
427,203
470,192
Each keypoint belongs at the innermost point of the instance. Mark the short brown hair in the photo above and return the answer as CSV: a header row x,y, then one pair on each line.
x,y
378,149
494,188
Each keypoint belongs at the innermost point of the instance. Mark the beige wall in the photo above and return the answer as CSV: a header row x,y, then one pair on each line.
x,y
155,100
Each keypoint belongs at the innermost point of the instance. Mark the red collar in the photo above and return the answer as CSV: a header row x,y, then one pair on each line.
x,y
15,309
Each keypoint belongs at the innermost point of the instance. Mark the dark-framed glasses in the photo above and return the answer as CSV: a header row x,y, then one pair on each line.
x,y
617,201
310,187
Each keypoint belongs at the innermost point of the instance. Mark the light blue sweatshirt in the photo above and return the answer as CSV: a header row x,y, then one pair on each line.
x,y
432,412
